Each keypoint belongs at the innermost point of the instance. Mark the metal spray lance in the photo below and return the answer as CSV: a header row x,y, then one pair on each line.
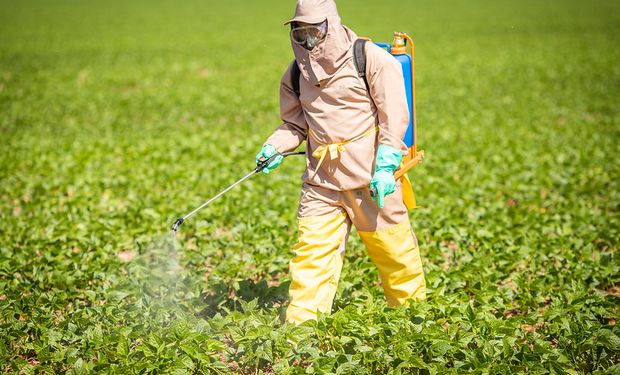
x,y
259,167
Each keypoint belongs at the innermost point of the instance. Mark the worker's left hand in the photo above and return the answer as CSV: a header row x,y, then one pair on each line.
x,y
383,184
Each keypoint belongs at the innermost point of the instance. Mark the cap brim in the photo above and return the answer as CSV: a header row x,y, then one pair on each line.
x,y
306,19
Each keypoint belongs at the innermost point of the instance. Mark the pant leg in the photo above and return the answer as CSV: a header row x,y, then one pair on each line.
x,y
395,252
319,251
390,242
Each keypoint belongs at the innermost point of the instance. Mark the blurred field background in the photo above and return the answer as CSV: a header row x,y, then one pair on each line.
x,y
116,117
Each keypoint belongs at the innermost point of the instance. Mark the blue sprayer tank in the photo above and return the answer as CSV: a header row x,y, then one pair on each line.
x,y
399,51
405,62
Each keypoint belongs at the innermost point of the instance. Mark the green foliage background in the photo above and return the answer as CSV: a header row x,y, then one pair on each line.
x,y
118,116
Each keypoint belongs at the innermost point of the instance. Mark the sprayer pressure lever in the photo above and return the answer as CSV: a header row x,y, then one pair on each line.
x,y
264,163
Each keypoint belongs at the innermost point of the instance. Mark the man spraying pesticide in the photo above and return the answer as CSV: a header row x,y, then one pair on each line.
x,y
348,99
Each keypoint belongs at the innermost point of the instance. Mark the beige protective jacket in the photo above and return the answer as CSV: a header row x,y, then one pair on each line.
x,y
335,114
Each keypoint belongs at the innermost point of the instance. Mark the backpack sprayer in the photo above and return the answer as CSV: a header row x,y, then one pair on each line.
x,y
259,167
398,49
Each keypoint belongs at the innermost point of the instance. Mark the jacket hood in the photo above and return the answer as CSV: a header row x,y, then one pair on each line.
x,y
328,55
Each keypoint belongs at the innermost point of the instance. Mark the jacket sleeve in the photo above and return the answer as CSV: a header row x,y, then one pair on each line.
x,y
293,131
387,87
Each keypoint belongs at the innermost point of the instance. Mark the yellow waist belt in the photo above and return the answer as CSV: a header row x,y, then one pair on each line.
x,y
334,149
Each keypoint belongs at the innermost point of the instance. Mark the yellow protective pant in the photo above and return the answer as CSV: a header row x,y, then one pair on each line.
x,y
325,219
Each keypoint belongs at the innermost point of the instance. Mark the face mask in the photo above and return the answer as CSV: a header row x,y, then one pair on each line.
x,y
309,36
311,41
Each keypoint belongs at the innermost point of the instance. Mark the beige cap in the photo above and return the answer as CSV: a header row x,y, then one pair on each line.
x,y
314,11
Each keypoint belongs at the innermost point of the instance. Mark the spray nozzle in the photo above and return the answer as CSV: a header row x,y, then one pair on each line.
x,y
177,224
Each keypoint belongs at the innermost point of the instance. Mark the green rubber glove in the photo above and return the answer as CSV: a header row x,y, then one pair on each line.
x,y
265,153
388,160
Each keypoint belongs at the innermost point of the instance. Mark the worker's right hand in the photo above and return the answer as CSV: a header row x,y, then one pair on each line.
x,y
265,153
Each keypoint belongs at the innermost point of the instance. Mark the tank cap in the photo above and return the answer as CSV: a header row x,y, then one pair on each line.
x,y
398,45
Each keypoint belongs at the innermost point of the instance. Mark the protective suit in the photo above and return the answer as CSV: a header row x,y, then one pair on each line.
x,y
343,125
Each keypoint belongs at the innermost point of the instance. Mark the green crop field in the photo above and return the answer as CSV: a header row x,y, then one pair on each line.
x,y
117,117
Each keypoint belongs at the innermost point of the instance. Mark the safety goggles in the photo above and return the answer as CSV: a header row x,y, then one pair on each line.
x,y
301,34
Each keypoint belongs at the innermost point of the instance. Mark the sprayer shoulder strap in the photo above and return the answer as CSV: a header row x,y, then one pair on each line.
x,y
359,58
295,76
